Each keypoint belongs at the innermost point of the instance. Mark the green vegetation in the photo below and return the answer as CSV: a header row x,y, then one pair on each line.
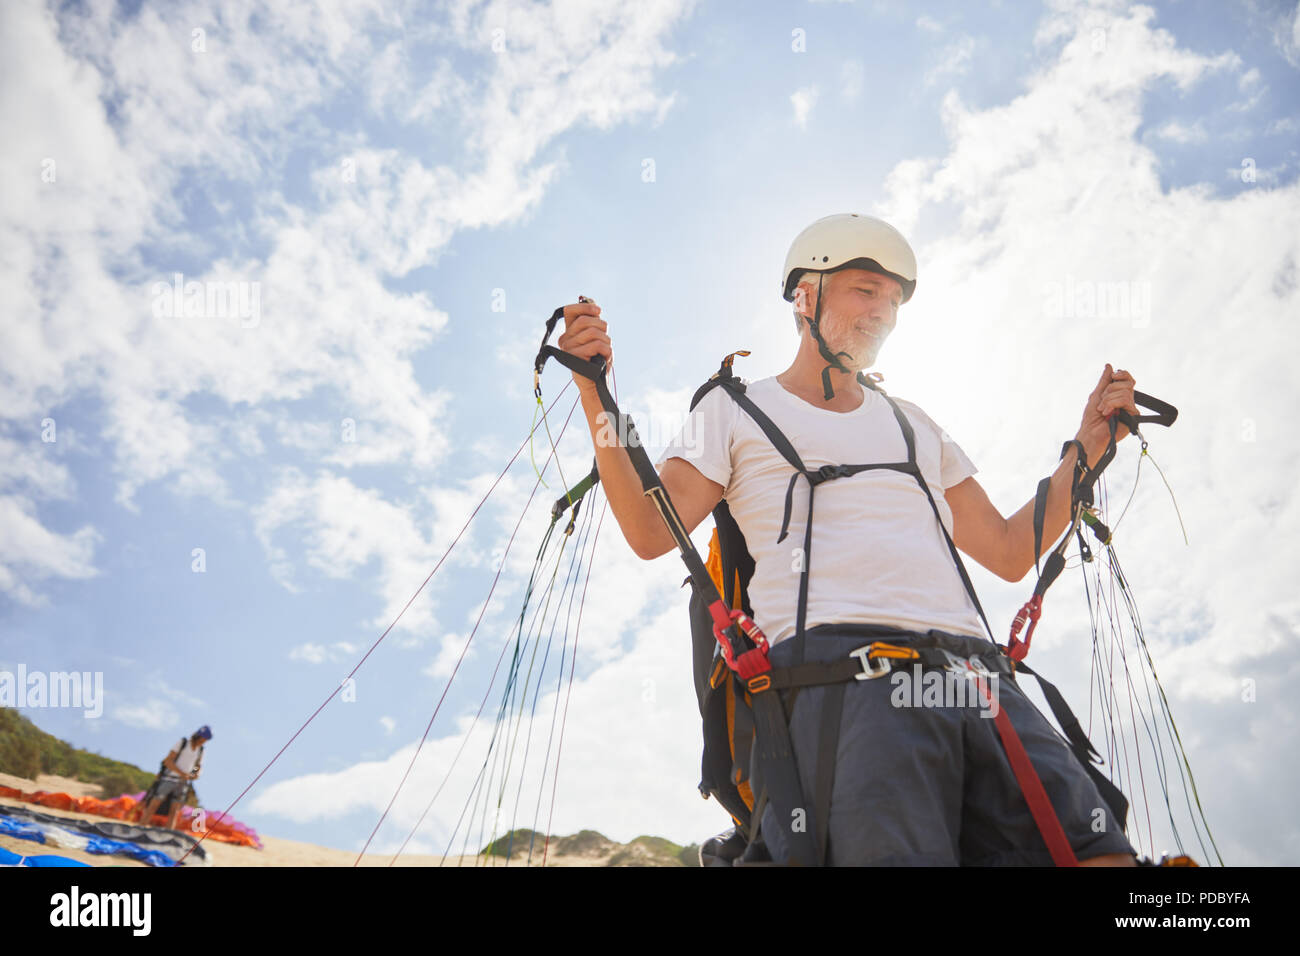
x,y
666,849
515,845
26,751
599,849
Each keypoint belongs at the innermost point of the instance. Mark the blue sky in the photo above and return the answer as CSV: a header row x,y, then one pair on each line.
x,y
386,178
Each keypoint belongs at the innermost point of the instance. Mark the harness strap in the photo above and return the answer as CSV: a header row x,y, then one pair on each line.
x,y
827,756
925,652
1040,514
743,721
832,358
1040,807
775,762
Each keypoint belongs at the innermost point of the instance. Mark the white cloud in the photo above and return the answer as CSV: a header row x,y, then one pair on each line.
x,y
1252,86
1286,34
151,715
953,61
320,653
928,24
449,653
76,263
29,551
343,529
1176,132
803,100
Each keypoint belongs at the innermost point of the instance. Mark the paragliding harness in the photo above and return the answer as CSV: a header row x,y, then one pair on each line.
x,y
725,698
744,716
164,809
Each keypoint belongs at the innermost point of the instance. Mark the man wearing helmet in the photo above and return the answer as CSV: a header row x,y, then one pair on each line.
x,y
910,787
180,768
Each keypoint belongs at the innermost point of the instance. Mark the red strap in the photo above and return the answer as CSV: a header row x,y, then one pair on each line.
x,y
1049,825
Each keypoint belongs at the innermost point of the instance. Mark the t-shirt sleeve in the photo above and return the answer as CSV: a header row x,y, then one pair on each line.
x,y
954,464
705,439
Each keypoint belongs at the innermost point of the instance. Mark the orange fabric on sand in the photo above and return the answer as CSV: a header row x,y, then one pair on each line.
x,y
119,808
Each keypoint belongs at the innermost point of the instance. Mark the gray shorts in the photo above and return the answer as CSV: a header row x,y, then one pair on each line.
x,y
931,785
171,787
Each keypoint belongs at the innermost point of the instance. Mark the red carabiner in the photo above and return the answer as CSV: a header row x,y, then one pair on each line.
x,y
1016,649
752,662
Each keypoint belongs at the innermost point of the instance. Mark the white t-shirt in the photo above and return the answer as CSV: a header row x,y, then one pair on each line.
x,y
878,556
186,759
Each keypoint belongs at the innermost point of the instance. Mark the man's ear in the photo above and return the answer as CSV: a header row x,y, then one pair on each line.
x,y
801,299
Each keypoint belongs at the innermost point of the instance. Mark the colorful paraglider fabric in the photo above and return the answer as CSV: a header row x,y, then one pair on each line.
x,y
217,825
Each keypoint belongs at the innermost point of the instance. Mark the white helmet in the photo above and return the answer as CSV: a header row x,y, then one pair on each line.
x,y
850,240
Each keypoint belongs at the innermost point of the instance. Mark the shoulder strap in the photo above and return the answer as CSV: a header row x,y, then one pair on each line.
x,y
734,552
725,377
774,434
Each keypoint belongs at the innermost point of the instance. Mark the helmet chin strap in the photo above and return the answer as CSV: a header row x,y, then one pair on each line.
x,y
832,358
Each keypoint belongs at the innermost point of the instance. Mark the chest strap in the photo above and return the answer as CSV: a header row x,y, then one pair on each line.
x,y
817,476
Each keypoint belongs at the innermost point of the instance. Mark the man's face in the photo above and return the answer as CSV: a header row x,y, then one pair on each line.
x,y
859,312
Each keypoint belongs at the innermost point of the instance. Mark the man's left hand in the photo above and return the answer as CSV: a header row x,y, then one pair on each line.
x,y
1114,391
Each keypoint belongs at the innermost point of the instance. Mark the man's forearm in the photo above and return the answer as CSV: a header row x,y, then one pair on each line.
x,y
1020,526
637,516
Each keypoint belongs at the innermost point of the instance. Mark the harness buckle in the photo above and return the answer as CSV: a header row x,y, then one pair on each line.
x,y
969,666
871,667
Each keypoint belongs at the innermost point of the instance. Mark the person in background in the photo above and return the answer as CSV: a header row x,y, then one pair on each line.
x,y
180,768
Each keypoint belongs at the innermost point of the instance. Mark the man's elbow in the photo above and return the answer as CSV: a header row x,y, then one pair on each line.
x,y
1014,569
1015,563
649,550
1013,575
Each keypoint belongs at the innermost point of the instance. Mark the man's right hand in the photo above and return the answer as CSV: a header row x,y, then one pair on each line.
x,y
584,336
